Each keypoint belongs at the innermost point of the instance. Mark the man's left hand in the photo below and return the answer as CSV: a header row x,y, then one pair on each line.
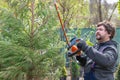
x,y
82,45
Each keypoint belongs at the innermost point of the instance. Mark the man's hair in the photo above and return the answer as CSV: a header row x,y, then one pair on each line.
x,y
108,27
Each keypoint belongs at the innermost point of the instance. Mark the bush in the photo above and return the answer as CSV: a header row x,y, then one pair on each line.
x,y
75,70
117,74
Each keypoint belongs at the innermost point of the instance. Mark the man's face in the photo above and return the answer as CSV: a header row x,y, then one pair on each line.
x,y
101,34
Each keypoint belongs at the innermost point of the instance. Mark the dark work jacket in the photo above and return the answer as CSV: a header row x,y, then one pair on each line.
x,y
101,62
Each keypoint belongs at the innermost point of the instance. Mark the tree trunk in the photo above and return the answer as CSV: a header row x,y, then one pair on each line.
x,y
29,77
93,6
99,10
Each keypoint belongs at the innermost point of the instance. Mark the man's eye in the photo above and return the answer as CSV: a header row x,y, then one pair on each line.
x,y
100,29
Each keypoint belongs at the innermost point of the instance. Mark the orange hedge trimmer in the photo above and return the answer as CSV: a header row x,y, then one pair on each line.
x,y
72,47
61,23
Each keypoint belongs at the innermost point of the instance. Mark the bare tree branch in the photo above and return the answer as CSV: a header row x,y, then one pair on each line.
x,y
115,5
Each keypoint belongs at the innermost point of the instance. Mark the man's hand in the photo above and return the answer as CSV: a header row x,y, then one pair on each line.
x,y
82,45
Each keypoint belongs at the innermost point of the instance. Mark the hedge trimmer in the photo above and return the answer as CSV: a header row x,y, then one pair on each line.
x,y
71,47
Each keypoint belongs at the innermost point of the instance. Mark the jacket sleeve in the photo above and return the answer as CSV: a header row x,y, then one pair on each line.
x,y
105,59
82,60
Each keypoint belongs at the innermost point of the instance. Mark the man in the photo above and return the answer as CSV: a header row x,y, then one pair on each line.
x,y
99,61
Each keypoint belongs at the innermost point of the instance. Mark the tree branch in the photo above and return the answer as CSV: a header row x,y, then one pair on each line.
x,y
115,5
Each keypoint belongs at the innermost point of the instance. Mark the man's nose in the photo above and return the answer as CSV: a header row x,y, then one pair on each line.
x,y
97,31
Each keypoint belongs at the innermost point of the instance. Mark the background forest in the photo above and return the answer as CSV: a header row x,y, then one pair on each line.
x,y
31,44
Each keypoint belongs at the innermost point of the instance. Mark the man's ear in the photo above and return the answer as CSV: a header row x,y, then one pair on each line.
x,y
109,34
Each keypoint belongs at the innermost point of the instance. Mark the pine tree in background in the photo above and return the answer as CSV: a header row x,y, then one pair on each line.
x,y
29,41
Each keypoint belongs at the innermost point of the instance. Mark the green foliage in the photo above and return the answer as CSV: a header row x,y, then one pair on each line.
x,y
63,71
89,42
11,27
29,41
19,61
117,75
74,13
75,69
118,7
